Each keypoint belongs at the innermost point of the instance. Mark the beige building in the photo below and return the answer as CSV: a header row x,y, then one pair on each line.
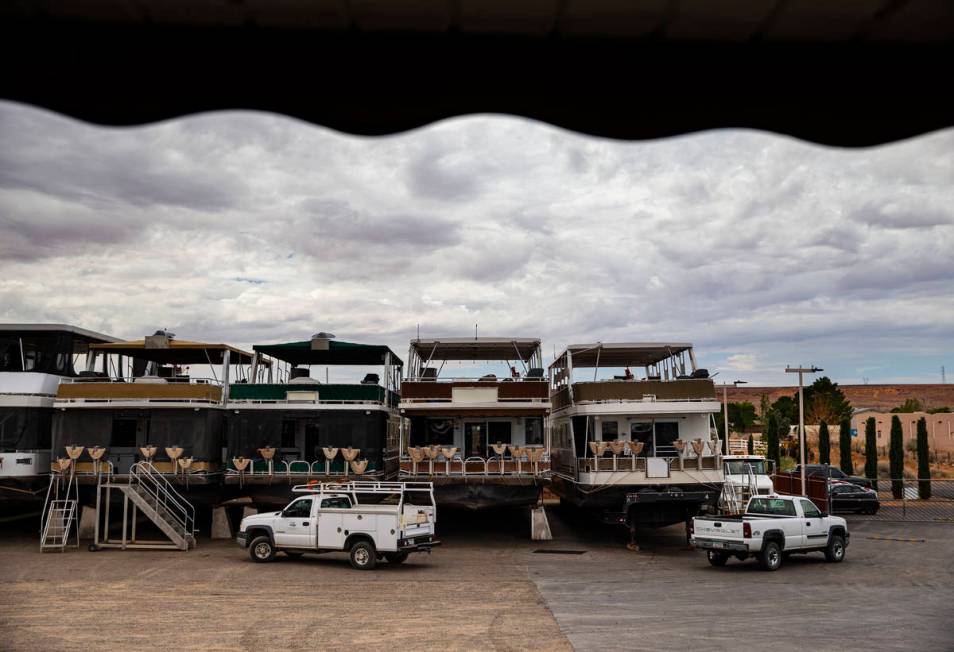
x,y
940,428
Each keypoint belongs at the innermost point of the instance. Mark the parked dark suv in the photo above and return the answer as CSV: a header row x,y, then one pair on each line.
x,y
832,472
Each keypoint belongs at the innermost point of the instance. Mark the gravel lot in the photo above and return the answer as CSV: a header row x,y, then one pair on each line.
x,y
485,589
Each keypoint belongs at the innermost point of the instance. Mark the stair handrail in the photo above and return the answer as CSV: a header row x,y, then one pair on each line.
x,y
165,494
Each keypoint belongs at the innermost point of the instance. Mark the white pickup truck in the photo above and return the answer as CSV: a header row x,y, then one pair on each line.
x,y
369,520
772,528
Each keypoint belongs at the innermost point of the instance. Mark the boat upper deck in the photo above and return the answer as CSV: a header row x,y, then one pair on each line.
x,y
153,370
520,391
666,378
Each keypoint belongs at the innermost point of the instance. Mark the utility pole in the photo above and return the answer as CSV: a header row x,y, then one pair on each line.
x,y
725,410
801,414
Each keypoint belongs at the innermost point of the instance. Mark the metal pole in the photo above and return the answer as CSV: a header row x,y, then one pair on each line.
x,y
725,410
801,428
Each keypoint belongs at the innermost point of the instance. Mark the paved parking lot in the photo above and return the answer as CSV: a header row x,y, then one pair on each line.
x,y
487,588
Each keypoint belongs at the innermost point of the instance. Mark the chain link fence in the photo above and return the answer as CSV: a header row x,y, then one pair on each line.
x,y
901,500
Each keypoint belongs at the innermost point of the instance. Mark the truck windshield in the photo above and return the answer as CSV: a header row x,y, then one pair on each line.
x,y
741,467
771,507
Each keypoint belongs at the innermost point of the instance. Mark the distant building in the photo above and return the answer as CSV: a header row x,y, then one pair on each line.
x,y
940,427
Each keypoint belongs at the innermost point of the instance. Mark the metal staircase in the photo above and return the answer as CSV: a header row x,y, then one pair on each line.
x,y
152,494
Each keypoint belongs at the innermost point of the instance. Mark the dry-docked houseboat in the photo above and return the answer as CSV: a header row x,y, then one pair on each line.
x,y
632,432
290,427
34,358
141,400
479,439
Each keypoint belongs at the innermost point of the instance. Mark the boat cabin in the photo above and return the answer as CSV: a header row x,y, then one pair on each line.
x,y
294,419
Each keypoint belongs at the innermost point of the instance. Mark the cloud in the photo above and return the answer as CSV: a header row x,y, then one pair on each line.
x,y
252,228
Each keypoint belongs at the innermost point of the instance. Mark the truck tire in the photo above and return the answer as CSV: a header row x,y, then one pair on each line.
x,y
835,551
717,558
771,556
261,550
363,556
395,557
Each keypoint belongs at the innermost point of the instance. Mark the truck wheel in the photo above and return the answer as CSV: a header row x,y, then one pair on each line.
x,y
771,556
261,550
395,557
363,556
717,558
835,552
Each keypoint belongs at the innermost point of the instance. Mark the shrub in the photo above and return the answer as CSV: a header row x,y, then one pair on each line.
x,y
871,452
844,447
924,463
824,444
896,458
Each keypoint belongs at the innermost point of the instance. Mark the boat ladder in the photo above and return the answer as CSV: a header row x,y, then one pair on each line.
x,y
59,513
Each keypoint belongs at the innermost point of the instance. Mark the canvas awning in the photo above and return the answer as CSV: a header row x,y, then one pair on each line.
x,y
479,348
176,352
336,353
639,354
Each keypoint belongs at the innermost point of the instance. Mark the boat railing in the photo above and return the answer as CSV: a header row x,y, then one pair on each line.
x,y
302,468
294,401
142,380
536,464
674,460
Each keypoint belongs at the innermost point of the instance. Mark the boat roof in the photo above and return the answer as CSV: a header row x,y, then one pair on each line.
x,y
622,354
476,348
337,353
175,352
80,333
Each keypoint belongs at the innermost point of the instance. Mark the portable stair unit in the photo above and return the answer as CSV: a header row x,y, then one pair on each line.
x,y
59,511
146,491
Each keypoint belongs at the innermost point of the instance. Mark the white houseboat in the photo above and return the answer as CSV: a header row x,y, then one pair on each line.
x,y
632,432
34,359
478,437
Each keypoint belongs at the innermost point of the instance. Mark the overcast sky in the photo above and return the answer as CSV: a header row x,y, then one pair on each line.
x,y
252,228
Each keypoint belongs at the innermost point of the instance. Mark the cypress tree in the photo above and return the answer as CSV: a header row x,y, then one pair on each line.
x,y
871,451
771,441
924,464
751,445
896,457
824,444
844,447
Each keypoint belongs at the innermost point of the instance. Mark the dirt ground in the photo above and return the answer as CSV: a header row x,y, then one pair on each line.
x,y
487,588
462,596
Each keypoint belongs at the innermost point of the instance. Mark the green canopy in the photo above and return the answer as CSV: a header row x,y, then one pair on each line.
x,y
332,352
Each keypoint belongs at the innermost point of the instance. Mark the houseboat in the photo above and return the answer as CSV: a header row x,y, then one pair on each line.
x,y
633,434
158,399
34,358
479,438
293,424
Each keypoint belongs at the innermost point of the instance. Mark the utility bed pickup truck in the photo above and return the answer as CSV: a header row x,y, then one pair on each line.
x,y
772,528
368,520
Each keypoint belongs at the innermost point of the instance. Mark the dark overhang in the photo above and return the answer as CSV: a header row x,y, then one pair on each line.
x,y
842,72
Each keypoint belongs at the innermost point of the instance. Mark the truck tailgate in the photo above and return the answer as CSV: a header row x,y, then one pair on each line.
x,y
715,528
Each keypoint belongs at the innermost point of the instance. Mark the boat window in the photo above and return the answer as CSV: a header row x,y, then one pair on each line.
x,y
610,430
124,434
288,433
643,431
499,432
338,502
533,431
